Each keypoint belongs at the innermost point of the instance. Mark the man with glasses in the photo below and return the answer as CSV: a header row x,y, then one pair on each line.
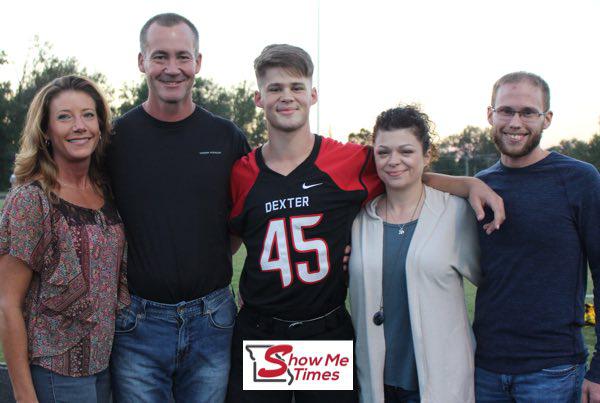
x,y
530,304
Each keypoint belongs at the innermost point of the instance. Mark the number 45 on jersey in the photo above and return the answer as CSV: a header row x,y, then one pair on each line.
x,y
276,256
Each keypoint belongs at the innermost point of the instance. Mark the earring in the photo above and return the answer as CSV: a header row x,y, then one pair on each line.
x,y
100,140
47,142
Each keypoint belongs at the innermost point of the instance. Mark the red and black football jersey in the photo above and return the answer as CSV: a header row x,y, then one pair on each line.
x,y
295,227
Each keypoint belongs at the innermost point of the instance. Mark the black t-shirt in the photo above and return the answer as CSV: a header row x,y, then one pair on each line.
x,y
295,227
170,182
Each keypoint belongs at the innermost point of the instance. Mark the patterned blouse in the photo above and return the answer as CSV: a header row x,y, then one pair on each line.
x,y
78,260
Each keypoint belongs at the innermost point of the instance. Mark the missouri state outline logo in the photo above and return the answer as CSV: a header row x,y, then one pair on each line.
x,y
298,365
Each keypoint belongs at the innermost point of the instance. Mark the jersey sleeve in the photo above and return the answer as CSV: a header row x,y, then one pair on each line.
x,y
25,225
370,178
351,166
243,176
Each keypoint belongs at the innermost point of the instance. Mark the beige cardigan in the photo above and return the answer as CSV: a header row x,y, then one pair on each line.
x,y
444,248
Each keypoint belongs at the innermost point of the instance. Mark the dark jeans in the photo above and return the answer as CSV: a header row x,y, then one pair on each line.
x,y
51,387
181,349
251,326
561,384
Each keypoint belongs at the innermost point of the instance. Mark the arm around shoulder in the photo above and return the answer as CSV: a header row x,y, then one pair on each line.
x,y
478,193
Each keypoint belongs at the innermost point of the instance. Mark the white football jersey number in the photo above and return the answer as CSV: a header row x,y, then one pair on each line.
x,y
276,244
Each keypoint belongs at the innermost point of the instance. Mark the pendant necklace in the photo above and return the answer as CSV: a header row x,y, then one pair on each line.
x,y
378,317
412,217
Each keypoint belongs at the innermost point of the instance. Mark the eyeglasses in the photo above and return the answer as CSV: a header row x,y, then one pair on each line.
x,y
526,115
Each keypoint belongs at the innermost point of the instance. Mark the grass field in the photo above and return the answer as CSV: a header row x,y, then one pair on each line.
x,y
238,261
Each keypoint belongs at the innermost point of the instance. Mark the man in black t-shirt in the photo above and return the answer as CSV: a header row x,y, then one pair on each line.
x,y
170,164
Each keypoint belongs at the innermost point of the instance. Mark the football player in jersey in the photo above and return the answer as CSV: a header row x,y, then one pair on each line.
x,y
294,201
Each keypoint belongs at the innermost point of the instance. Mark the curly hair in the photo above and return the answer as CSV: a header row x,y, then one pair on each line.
x,y
34,160
408,117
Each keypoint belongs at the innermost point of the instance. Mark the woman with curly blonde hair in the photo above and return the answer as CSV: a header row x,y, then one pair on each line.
x,y
62,250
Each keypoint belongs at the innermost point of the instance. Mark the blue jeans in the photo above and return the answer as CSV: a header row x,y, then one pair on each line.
x,y
561,384
180,351
51,387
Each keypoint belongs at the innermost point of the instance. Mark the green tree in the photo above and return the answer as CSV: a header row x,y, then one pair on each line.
x,y
446,163
42,68
594,151
588,152
466,153
213,97
362,137
247,116
39,71
132,96
257,135
573,148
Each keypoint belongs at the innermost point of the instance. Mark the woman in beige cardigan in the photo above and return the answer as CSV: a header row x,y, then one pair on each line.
x,y
411,248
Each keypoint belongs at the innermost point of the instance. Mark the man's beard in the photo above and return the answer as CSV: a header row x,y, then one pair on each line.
x,y
531,143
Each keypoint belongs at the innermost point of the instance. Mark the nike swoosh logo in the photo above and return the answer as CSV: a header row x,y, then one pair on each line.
x,y
305,186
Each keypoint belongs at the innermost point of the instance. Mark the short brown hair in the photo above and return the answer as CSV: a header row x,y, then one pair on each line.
x,y
167,20
519,76
292,58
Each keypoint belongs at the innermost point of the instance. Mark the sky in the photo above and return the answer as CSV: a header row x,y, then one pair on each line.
x,y
369,56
